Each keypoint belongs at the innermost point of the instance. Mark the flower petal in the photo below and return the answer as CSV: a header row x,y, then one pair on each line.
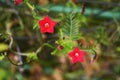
x,y
76,49
17,2
77,55
47,19
74,60
51,24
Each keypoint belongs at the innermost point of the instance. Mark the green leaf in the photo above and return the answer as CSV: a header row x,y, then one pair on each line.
x,y
3,74
3,47
118,49
55,52
2,57
26,0
67,46
19,76
35,15
103,36
70,3
35,25
32,56
49,45
71,26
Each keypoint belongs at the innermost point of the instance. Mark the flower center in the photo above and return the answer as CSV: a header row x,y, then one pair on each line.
x,y
46,25
76,54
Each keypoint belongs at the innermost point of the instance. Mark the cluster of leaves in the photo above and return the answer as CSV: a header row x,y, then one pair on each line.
x,y
71,26
69,31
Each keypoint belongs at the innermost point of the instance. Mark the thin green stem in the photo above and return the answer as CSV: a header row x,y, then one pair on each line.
x,y
40,48
30,6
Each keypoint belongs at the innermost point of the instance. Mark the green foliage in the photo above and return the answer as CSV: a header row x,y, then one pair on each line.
x,y
27,40
19,77
71,26
3,47
118,49
3,74
2,57
70,4
67,46
74,75
35,25
69,33
31,56
26,0
103,36
117,69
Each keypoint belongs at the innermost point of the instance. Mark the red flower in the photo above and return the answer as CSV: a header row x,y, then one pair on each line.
x,y
77,55
17,2
47,25
60,47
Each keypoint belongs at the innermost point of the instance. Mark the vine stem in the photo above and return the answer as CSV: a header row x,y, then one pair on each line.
x,y
20,57
40,48
11,41
30,6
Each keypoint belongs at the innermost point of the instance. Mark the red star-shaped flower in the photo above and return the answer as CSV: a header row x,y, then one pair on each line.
x,y
47,25
77,55
17,2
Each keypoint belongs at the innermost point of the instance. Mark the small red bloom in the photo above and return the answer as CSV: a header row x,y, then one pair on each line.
x,y
17,2
77,55
47,25
60,47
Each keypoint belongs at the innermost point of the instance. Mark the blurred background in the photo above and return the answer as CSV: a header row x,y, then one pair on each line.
x,y
100,23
